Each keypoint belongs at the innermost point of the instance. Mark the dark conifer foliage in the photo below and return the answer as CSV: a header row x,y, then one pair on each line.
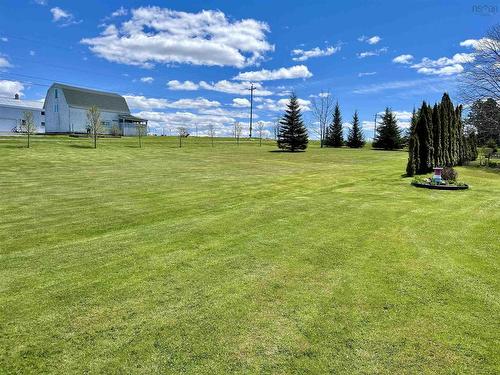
x,y
292,133
414,148
355,138
334,136
438,138
388,134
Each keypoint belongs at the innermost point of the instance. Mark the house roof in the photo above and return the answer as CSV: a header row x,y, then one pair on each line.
x,y
17,103
132,118
86,98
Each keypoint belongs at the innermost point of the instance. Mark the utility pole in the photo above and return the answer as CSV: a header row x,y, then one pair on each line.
x,y
375,127
252,88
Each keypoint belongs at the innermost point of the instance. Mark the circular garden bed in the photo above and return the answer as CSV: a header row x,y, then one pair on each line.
x,y
427,185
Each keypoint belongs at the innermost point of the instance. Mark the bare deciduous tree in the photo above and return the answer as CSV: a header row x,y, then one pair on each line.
x,y
260,129
211,133
94,123
238,128
481,79
183,133
322,109
276,128
141,130
28,125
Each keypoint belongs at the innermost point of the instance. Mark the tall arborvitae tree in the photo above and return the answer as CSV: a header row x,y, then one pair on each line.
x,y
413,148
448,123
424,133
335,137
388,133
436,135
355,138
292,133
445,131
461,139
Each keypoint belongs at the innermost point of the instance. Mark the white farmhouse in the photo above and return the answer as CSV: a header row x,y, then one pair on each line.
x,y
12,114
66,111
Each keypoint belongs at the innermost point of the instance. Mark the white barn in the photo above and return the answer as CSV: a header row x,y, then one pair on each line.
x,y
12,114
66,111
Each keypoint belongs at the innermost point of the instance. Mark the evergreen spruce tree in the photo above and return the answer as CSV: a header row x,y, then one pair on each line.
x,y
292,134
355,138
389,134
335,137
436,136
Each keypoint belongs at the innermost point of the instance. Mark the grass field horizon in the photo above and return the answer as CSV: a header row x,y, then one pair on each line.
x,y
238,259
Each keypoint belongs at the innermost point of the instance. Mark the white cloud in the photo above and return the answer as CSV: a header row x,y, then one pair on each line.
x,y
194,103
186,85
364,74
444,71
444,66
302,55
367,125
241,103
147,79
62,16
479,44
160,35
297,71
401,116
32,53
4,39
59,14
238,88
376,52
158,121
4,63
41,2
372,40
10,88
226,112
473,43
403,59
120,12
280,105
143,103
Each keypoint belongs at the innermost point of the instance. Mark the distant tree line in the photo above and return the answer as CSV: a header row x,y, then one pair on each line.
x,y
438,138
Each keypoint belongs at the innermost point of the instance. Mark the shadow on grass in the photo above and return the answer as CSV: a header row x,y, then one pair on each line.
x,y
287,152
81,146
13,146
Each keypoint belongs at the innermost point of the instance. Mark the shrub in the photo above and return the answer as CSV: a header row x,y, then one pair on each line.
x,y
115,130
492,144
449,174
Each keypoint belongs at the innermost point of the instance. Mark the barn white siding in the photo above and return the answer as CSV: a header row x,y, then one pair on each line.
x,y
12,114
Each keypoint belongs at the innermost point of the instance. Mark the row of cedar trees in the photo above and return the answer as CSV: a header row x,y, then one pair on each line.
x,y
438,138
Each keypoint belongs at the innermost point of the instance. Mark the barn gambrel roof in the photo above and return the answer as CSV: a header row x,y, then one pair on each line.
x,y
86,98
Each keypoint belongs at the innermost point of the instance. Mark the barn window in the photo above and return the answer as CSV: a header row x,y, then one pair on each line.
x,y
56,94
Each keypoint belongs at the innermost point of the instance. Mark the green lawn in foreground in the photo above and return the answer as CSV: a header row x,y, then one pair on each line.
x,y
241,260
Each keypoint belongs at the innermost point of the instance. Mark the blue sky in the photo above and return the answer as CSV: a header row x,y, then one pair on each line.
x,y
190,62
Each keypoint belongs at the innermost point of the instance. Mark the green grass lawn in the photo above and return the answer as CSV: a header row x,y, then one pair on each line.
x,y
241,260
